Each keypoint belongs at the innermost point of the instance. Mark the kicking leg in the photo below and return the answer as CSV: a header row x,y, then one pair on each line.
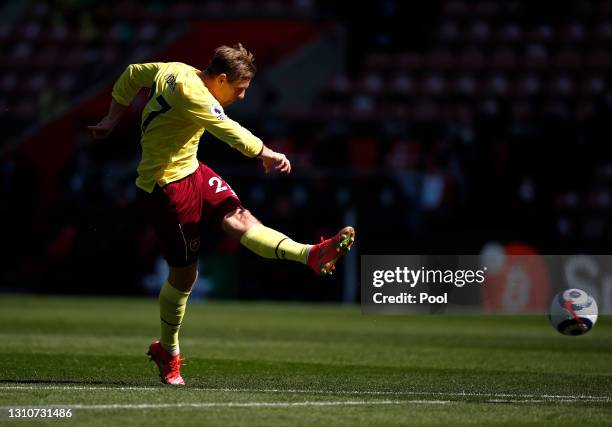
x,y
269,243
264,241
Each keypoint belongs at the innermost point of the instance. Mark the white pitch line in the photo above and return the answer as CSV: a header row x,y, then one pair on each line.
x,y
408,393
544,397
531,401
243,404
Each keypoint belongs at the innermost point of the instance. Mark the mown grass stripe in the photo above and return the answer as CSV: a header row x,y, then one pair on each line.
x,y
242,404
547,397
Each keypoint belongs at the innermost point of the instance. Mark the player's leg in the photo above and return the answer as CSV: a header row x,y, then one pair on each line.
x,y
172,305
175,212
223,207
265,242
173,302
173,298
269,243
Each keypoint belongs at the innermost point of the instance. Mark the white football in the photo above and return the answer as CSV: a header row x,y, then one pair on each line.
x,y
573,312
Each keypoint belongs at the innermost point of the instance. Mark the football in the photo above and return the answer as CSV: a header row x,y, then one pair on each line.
x,y
573,312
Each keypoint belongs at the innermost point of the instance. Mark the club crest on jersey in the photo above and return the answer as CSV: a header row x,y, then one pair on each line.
x,y
171,81
217,111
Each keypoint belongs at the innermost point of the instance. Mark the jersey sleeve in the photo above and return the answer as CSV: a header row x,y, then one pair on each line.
x,y
135,77
205,111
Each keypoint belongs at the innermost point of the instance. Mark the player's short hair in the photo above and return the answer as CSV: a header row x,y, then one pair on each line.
x,y
237,62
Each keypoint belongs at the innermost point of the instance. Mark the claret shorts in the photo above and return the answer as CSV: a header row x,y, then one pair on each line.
x,y
178,209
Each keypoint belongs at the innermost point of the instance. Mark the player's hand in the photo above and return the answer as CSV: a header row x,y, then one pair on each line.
x,y
273,160
102,129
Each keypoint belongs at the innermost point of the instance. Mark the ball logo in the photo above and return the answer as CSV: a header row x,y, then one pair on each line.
x,y
573,312
194,245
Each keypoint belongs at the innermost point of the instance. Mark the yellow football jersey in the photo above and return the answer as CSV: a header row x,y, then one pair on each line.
x,y
180,108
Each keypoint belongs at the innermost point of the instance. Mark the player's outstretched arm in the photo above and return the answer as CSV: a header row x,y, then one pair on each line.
x,y
108,123
272,159
133,78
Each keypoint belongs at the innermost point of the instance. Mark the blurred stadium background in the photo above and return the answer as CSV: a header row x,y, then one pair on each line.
x,y
433,127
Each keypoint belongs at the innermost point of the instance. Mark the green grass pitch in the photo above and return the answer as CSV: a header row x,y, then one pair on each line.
x,y
254,364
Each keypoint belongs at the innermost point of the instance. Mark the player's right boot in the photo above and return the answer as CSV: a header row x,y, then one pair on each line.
x,y
323,256
169,366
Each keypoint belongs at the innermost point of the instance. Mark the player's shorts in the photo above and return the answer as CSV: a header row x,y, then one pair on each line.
x,y
177,211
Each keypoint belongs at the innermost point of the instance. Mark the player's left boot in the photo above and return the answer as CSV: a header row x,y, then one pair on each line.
x,y
169,365
323,256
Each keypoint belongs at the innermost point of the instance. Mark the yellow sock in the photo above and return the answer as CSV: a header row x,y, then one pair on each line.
x,y
269,243
172,304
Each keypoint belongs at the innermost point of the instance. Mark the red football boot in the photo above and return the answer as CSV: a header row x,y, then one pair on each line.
x,y
323,256
169,366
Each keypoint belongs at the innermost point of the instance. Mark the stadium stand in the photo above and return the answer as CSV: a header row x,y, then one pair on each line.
x,y
471,120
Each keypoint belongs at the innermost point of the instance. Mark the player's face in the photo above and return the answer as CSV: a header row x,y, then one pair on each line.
x,y
232,91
